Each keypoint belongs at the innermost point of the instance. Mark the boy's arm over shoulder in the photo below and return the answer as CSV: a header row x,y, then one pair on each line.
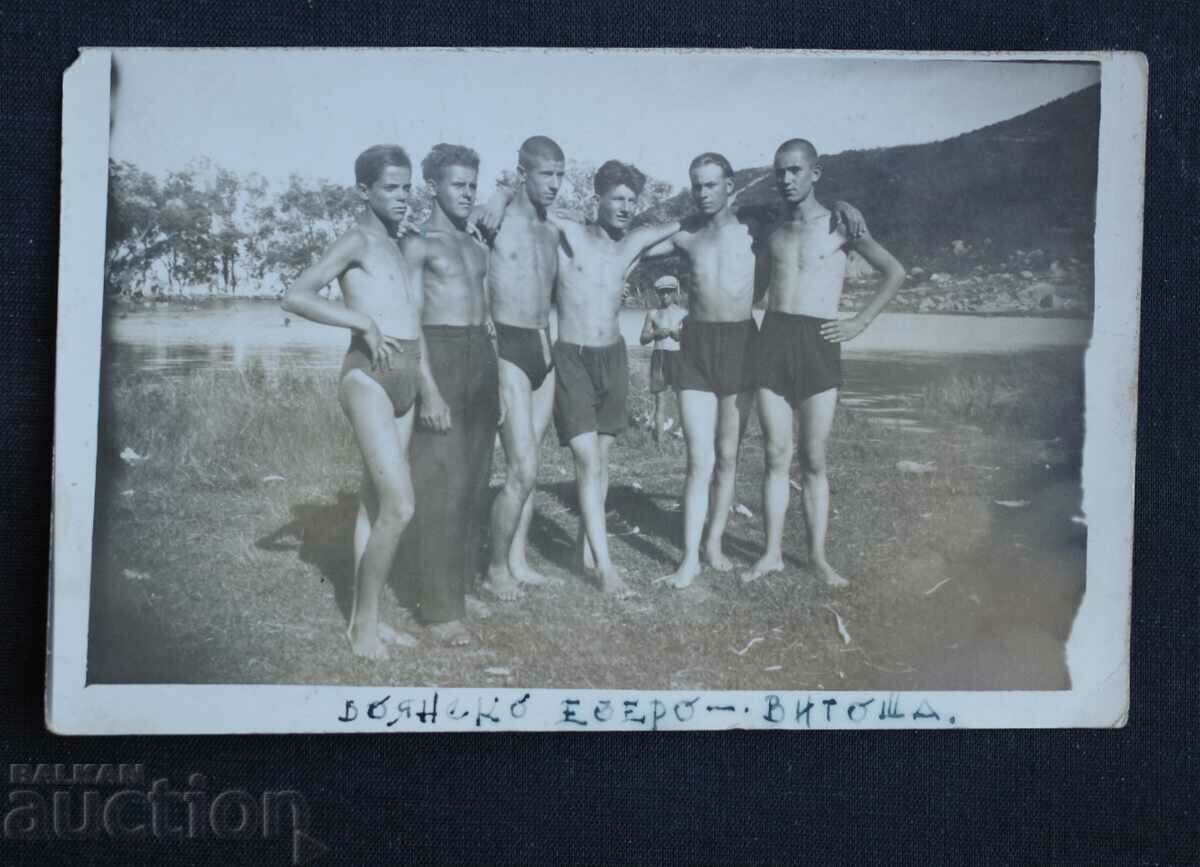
x,y
647,240
570,233
490,214
414,248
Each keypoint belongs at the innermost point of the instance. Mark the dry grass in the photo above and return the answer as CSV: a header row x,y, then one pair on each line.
x,y
225,557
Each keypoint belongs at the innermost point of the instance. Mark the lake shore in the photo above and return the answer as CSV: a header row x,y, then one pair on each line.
x,y
223,543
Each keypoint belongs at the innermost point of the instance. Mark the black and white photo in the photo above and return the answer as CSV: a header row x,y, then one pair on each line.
x,y
729,381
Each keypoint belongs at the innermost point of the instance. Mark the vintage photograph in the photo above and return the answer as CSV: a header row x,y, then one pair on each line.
x,y
610,370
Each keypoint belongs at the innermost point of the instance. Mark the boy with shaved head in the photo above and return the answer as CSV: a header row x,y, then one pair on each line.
x,y
522,269
798,368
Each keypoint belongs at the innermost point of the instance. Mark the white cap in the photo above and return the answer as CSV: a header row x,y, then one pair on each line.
x,y
666,281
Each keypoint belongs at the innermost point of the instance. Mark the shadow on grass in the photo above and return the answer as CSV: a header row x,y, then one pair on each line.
x,y
322,534
660,531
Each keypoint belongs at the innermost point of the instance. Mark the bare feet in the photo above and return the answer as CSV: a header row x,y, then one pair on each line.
x,y
451,634
717,559
614,585
584,556
366,643
501,584
525,574
682,577
827,574
767,564
390,635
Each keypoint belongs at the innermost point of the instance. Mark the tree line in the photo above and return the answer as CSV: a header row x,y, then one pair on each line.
x,y
207,229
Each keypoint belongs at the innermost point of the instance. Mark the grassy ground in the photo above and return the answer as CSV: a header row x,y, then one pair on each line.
x,y
224,555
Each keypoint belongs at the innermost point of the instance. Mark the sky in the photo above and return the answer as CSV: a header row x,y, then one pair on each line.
x,y
278,112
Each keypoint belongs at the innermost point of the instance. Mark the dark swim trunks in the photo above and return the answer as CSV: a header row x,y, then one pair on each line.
x,y
794,360
399,380
590,391
717,356
664,369
524,347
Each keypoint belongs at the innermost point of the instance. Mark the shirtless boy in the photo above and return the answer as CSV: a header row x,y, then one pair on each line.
x,y
521,273
452,448
590,354
384,369
717,349
662,326
798,369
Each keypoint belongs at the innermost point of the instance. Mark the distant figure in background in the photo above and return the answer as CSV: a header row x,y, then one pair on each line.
x,y
385,367
663,326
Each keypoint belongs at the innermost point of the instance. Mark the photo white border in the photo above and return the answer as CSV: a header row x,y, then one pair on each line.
x,y
1097,651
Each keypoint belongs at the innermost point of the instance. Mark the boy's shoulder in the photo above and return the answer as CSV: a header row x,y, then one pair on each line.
x,y
352,243
757,217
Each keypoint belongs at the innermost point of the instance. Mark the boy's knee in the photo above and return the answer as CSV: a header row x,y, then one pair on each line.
x,y
395,512
701,460
523,473
587,463
813,460
726,457
779,456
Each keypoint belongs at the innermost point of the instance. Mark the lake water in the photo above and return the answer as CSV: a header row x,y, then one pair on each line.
x,y
884,367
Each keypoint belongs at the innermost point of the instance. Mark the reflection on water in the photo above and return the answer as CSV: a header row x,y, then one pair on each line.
x,y
885,368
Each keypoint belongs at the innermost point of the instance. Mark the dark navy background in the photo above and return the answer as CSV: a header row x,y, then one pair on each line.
x,y
1123,796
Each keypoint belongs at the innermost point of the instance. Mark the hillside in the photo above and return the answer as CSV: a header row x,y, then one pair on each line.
x,y
998,219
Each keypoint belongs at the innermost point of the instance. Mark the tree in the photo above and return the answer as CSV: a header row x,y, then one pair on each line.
x,y
133,227
292,229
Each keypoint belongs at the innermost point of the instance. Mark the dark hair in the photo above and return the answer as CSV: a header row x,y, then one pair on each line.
x,y
712,159
445,155
371,162
804,146
616,174
539,147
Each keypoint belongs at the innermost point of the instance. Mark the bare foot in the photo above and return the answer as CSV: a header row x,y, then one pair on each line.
x,y
584,557
390,635
501,584
477,609
525,574
765,566
614,585
451,634
827,574
366,643
717,559
682,577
